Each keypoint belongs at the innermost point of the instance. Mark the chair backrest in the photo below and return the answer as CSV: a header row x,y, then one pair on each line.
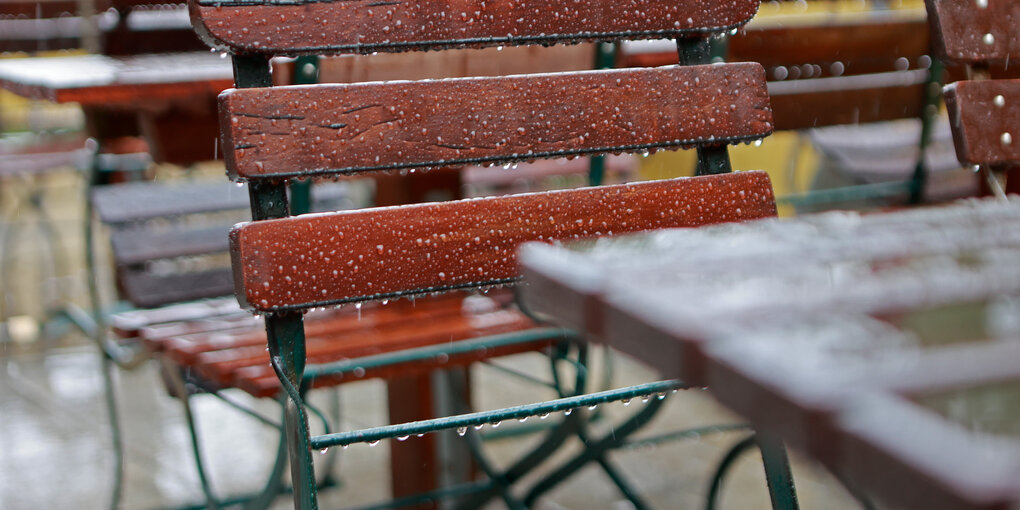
x,y
273,134
984,113
169,240
827,70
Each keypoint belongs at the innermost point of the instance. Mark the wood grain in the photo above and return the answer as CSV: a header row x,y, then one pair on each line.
x,y
292,27
985,119
330,129
318,260
966,33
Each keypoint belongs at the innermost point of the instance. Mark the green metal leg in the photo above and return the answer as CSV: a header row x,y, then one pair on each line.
x,y
115,434
782,492
181,390
274,486
287,353
595,451
777,474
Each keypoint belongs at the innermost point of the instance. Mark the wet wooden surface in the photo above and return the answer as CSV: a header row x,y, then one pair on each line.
x,y
365,26
315,260
975,32
331,129
985,116
766,315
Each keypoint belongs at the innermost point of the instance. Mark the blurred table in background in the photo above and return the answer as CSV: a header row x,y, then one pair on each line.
x,y
887,346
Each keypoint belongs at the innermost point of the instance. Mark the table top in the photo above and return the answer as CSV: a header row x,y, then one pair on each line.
x,y
132,81
821,329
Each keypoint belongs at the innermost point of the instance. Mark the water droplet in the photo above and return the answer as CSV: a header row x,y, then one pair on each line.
x,y
522,420
402,438
496,424
323,451
626,402
988,39
982,4
999,101
757,143
461,431
567,412
593,407
479,426
543,416
1006,138
373,443
661,395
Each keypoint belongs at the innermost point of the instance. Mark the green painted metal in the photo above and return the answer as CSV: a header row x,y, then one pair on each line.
x,y
727,461
929,112
849,193
433,352
605,58
777,473
694,433
596,450
487,417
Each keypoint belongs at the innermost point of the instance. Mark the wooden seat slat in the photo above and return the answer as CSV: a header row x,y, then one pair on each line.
x,y
329,129
351,341
258,378
375,253
985,116
363,26
983,34
147,290
215,346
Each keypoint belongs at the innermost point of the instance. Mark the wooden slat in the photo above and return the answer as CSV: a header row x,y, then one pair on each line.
x,y
258,381
985,118
328,129
146,290
975,32
458,63
136,245
318,260
364,26
803,104
860,46
145,200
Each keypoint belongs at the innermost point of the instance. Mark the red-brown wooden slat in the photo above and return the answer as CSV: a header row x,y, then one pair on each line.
x,y
975,31
293,27
985,119
344,128
259,379
317,260
235,350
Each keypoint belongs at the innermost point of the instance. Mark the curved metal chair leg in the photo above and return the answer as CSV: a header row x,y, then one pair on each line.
x,y
595,451
115,435
782,492
182,393
777,473
274,485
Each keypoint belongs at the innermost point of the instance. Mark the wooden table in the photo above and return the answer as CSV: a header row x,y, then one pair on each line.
x,y
887,346
159,96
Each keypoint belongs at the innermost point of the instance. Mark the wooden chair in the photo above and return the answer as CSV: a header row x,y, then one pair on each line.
x,y
285,265
984,112
840,71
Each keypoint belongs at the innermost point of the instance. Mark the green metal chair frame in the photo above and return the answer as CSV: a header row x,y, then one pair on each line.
x,y
269,202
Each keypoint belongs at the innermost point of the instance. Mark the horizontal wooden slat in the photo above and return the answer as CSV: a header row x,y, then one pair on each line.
x,y
973,32
803,104
317,260
135,245
328,129
364,26
145,200
146,290
985,118
873,44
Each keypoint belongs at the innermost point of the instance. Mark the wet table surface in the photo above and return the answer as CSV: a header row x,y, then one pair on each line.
x,y
887,346
98,80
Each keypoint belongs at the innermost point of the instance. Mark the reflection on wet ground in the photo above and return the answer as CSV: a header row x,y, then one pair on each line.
x,y
55,446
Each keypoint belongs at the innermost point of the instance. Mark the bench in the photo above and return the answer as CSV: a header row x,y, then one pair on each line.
x,y
983,109
285,265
